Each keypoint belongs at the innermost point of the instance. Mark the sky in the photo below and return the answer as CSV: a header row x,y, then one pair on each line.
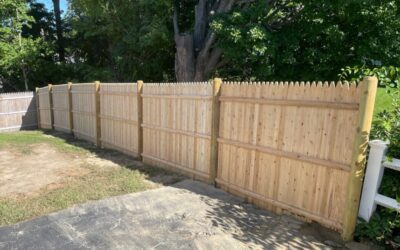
x,y
49,4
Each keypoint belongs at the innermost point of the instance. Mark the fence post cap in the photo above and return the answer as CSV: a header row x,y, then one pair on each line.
x,y
378,144
370,78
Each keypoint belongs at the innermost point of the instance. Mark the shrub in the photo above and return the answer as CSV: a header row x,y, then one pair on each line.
x,y
388,76
386,125
384,226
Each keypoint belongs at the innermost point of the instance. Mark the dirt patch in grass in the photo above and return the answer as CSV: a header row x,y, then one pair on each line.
x,y
41,173
25,174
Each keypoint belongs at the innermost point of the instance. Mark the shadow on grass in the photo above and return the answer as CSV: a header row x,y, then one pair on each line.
x,y
230,214
155,174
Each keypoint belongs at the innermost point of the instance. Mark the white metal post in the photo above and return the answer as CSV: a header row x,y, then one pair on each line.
x,y
373,178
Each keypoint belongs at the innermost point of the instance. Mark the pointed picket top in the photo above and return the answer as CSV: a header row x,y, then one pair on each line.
x,y
353,85
345,85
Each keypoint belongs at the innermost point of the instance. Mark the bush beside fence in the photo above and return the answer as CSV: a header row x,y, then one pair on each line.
x,y
298,147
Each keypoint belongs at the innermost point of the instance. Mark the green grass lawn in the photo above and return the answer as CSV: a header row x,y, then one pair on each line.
x,y
23,141
94,186
383,101
98,181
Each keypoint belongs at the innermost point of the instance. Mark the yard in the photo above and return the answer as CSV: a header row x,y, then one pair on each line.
x,y
383,101
45,172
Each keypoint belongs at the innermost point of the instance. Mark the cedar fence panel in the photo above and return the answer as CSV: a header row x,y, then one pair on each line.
x,y
61,108
297,147
17,111
177,126
119,117
45,114
84,111
289,146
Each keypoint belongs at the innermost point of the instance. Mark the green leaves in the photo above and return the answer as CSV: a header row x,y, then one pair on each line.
x,y
18,51
128,39
386,126
384,225
307,39
388,76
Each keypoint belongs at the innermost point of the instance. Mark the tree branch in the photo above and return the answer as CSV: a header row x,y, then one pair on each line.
x,y
213,60
201,19
175,20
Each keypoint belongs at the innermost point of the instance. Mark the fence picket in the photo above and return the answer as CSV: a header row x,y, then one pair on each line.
x,y
282,145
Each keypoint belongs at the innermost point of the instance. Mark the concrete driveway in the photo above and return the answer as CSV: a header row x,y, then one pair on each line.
x,y
188,215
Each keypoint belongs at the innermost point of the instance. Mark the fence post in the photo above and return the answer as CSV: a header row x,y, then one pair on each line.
x,y
71,117
368,90
37,107
140,118
373,178
98,121
216,88
50,87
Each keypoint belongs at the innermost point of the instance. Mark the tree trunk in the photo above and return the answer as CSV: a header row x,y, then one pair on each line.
x,y
196,58
25,75
23,65
59,30
184,58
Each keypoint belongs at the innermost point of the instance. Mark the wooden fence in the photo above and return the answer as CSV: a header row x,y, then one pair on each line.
x,y
293,147
119,117
177,126
289,145
62,107
45,107
17,111
84,98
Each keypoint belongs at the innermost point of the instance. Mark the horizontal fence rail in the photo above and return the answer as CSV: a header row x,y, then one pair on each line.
x,y
295,147
17,111
284,144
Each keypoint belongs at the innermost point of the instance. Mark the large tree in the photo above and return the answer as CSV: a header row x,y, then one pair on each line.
x,y
282,39
196,54
196,57
16,52
27,36
123,40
